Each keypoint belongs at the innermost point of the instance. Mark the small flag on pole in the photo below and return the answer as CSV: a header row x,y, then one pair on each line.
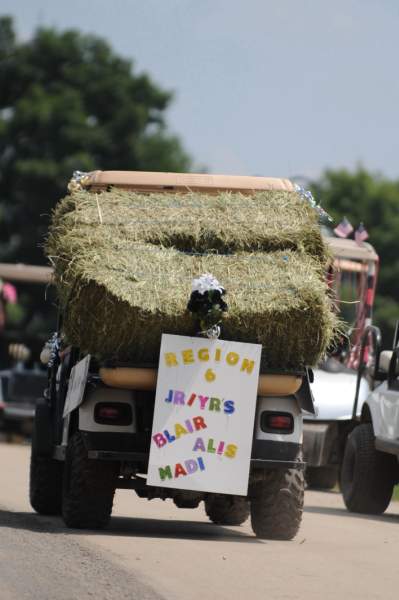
x,y
344,229
361,234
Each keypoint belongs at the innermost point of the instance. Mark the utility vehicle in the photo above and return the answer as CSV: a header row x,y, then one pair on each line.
x,y
352,279
23,380
20,389
87,445
370,466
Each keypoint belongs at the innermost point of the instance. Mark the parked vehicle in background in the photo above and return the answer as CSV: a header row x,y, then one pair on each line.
x,y
352,279
370,466
22,382
20,389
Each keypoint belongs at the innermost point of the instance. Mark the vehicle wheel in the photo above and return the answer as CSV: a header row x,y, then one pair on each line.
x,y
89,487
45,485
227,510
367,476
45,480
277,504
321,478
180,501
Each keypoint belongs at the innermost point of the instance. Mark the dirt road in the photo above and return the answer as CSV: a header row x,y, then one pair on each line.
x,y
153,550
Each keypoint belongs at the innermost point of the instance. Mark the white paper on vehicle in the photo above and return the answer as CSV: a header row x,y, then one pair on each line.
x,y
77,385
204,415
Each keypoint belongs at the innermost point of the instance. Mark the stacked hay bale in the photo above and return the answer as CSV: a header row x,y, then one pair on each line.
x,y
124,263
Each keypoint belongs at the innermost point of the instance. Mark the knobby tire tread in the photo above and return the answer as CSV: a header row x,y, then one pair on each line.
x,y
277,505
89,488
45,485
227,510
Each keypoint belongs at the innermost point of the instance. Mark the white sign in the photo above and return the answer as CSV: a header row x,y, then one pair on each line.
x,y
76,385
204,415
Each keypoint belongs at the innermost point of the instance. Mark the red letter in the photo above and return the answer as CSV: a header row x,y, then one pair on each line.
x,y
191,399
179,470
199,423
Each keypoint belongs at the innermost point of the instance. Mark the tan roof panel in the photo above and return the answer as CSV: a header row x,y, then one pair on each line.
x,y
27,273
349,249
154,181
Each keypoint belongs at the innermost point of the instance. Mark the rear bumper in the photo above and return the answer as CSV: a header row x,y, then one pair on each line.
x,y
266,454
271,454
258,464
142,458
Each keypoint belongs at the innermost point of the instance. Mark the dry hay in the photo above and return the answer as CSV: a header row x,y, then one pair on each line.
x,y
124,264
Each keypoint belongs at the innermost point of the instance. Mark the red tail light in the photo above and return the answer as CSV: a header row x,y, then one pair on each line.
x,y
113,413
275,422
108,412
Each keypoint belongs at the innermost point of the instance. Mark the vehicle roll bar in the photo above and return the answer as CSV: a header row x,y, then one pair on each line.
x,y
374,333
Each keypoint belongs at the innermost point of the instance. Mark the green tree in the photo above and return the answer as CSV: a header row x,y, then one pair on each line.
x,y
374,200
68,102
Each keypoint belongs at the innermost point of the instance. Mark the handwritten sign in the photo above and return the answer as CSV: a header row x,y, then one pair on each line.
x,y
204,415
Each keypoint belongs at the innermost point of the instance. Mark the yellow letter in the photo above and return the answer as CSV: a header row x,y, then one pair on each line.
x,y
232,358
170,359
188,356
247,365
210,375
231,450
203,354
179,430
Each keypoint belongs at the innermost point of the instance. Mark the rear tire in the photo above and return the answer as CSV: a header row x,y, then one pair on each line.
x,y
45,485
277,504
227,510
45,476
367,476
321,478
182,501
89,487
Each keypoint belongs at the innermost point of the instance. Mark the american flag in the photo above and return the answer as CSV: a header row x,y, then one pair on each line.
x,y
361,234
344,229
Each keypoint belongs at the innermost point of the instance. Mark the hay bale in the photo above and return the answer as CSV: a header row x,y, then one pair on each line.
x,y
265,221
124,263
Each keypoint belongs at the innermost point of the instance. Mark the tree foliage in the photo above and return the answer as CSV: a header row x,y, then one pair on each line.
x,y
374,200
68,102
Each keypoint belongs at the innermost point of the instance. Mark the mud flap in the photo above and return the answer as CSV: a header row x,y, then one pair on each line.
x,y
43,430
304,395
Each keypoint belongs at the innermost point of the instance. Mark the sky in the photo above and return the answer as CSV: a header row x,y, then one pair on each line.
x,y
262,87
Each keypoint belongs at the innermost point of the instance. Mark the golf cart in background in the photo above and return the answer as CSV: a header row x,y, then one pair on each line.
x,y
21,387
370,467
22,378
352,279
